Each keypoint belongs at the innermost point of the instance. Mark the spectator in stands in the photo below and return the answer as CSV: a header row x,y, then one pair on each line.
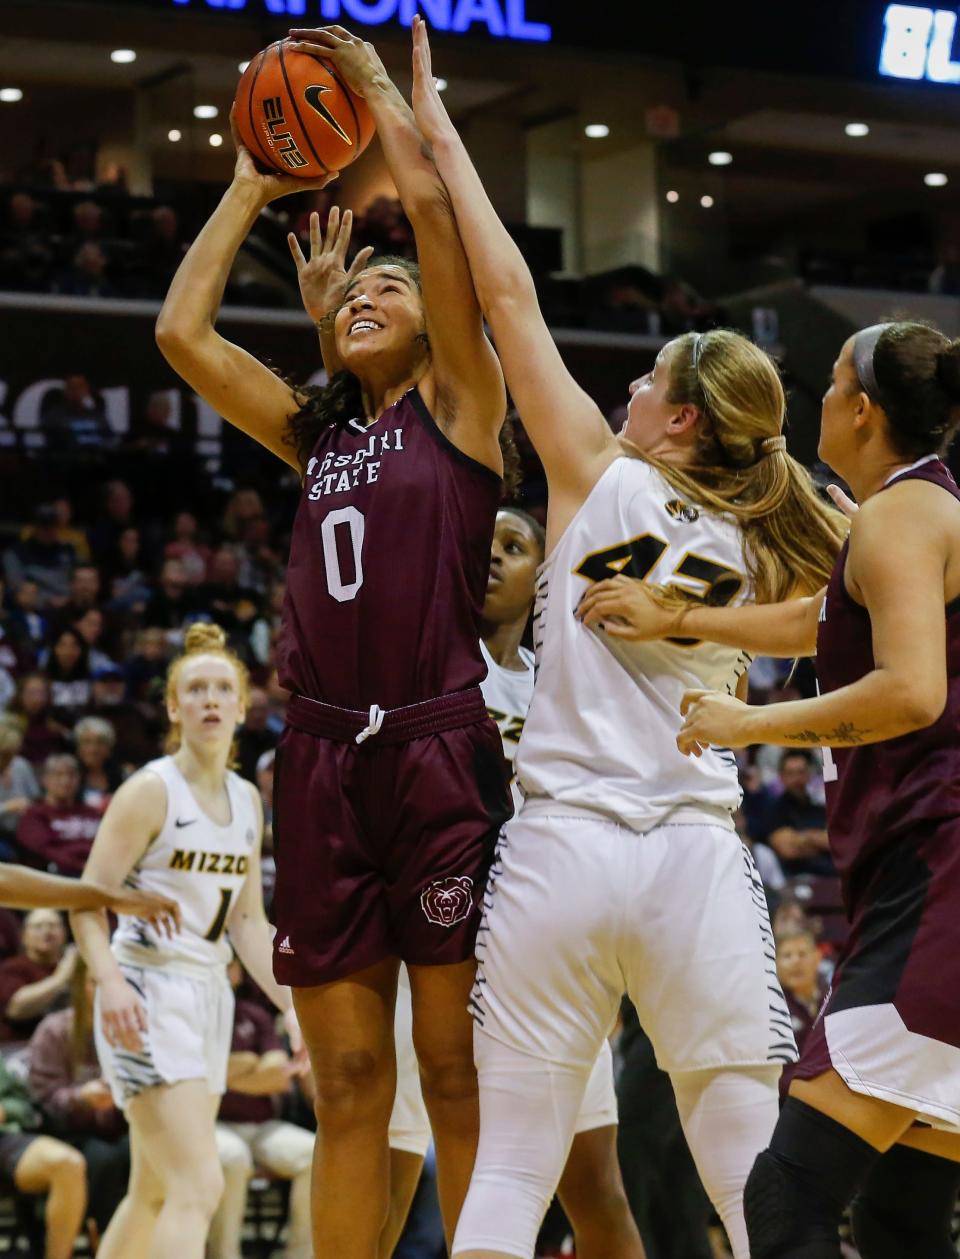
x,y
66,1081
41,1165
26,257
87,277
26,623
171,602
75,419
42,735
90,627
42,558
156,435
268,623
945,277
126,571
244,505
147,667
137,727
67,666
798,968
230,604
18,786
83,594
67,531
757,802
186,547
162,251
100,775
56,833
88,225
37,980
249,1132
17,651
254,737
116,514
384,225
797,824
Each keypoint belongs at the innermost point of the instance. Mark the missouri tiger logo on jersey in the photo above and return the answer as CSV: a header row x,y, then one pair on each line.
x,y
679,510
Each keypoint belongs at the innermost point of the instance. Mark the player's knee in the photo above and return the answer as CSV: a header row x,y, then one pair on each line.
x,y
352,1085
447,1075
65,1165
197,1188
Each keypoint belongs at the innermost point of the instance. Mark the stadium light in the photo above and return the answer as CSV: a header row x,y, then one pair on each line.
x,y
123,56
673,196
174,134
596,130
707,202
936,179
216,140
720,158
9,95
205,111
856,130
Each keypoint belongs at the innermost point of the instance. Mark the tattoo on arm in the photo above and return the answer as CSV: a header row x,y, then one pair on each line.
x,y
844,734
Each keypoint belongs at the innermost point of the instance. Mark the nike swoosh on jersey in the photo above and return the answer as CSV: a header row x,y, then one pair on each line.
x,y
313,96
180,822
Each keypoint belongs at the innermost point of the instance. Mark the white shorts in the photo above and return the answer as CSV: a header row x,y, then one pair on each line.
x,y
580,910
410,1124
189,1030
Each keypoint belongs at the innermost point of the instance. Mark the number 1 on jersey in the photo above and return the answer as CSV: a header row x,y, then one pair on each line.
x,y
342,591
220,918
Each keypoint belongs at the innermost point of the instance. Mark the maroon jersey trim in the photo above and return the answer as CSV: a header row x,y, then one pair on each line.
x,y
444,442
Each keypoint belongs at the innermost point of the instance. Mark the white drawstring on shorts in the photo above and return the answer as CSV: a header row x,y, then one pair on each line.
x,y
377,715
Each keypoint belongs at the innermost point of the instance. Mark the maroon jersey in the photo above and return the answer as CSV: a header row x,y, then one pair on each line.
x,y
881,792
388,566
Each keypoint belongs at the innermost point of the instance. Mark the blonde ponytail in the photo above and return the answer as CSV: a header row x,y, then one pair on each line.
x,y
741,467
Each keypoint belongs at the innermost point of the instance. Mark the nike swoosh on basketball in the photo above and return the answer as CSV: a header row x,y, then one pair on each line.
x,y
180,822
312,95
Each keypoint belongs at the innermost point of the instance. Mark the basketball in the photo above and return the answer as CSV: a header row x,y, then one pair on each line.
x,y
297,116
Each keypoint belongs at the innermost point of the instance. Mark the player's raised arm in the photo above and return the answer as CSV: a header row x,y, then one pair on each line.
x,y
897,556
627,608
237,385
569,431
470,398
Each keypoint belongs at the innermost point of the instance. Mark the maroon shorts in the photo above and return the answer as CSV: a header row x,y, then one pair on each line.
x,y
382,848
901,964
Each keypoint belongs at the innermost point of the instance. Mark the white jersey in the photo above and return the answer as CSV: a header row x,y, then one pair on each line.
x,y
198,863
507,694
600,734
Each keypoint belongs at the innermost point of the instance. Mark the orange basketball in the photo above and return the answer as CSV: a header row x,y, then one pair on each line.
x,y
297,116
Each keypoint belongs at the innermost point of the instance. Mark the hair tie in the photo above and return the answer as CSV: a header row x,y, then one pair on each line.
x,y
770,444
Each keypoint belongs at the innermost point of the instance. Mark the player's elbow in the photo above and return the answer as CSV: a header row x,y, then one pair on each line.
x,y
920,705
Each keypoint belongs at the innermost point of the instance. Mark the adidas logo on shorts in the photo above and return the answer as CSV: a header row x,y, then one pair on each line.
x,y
284,945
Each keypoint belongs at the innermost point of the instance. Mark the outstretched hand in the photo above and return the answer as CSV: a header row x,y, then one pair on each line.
x,y
268,185
428,109
324,278
355,58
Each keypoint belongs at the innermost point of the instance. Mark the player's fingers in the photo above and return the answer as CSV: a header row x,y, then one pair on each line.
x,y
361,260
847,505
689,699
343,237
333,227
615,629
297,252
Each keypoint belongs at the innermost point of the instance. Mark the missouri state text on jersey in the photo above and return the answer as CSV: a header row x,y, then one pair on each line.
x,y
388,566
338,473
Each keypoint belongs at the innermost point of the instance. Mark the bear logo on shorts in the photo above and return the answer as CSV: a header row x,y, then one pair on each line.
x,y
448,901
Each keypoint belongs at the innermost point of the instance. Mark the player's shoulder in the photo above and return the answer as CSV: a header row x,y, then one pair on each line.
x,y
141,799
909,507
